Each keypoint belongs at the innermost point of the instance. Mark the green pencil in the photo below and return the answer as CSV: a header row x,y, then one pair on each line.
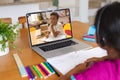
x,y
46,68
36,70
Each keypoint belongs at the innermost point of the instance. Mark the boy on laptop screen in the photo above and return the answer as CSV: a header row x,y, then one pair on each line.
x,y
49,26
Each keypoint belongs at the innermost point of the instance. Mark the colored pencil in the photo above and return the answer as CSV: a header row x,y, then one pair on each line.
x,y
46,68
35,74
48,65
36,70
45,71
43,74
53,69
29,74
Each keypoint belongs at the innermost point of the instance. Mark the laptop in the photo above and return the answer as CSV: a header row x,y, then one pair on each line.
x,y
42,39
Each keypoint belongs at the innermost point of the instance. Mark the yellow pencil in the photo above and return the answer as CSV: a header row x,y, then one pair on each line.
x,y
46,68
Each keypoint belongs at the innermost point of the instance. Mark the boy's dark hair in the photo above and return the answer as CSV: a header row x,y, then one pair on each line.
x,y
107,24
54,14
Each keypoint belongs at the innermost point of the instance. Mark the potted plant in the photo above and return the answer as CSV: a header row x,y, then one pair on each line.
x,y
8,34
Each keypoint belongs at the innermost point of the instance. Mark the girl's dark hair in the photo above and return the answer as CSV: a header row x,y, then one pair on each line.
x,y
54,14
107,22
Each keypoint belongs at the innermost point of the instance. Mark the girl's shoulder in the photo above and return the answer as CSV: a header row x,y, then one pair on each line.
x,y
109,62
101,70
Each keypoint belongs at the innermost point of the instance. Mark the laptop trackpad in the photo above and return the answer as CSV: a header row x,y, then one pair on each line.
x,y
67,50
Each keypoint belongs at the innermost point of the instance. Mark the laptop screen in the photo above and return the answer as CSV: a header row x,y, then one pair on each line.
x,y
49,26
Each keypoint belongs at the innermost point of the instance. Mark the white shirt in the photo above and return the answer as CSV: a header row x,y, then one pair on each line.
x,y
57,27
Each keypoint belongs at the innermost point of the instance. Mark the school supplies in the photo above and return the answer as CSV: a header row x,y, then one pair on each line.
x,y
31,76
67,62
43,70
42,73
20,65
53,70
87,38
33,71
36,70
48,66
90,36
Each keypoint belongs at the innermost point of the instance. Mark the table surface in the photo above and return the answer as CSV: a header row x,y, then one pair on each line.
x,y
8,67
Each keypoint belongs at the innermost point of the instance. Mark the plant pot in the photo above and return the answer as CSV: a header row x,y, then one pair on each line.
x,y
6,51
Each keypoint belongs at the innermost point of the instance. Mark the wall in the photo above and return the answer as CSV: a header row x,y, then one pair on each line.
x,y
70,4
6,1
115,0
15,11
79,9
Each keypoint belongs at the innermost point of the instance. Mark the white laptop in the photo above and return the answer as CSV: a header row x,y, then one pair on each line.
x,y
48,47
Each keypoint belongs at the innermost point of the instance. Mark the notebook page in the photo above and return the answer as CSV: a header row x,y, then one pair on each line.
x,y
65,63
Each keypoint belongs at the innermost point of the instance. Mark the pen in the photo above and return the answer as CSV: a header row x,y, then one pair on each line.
x,y
48,65
53,69
42,67
29,75
33,71
36,70
46,68
43,74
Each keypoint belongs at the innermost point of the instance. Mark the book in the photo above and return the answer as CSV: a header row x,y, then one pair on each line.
x,y
90,36
65,63
89,39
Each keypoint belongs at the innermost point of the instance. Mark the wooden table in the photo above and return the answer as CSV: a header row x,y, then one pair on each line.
x,y
8,67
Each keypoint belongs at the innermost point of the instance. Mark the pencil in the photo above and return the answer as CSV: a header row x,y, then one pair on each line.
x,y
48,65
29,76
52,68
30,72
46,68
33,71
42,67
43,74
36,70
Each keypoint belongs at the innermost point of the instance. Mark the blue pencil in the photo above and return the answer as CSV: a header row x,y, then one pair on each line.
x,y
53,70
49,67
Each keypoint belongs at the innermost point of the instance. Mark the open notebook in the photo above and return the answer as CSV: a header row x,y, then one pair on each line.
x,y
65,63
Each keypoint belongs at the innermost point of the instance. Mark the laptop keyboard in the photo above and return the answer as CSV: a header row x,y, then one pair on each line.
x,y
57,45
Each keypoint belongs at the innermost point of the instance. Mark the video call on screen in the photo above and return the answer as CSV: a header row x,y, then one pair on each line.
x,y
39,22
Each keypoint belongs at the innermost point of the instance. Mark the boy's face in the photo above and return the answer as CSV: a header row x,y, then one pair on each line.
x,y
53,20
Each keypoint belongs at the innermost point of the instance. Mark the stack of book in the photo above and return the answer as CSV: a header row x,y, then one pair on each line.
x,y
90,36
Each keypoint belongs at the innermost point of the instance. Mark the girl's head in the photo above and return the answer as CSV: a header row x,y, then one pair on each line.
x,y
107,24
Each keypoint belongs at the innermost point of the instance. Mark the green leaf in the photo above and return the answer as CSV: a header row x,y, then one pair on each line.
x,y
8,33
